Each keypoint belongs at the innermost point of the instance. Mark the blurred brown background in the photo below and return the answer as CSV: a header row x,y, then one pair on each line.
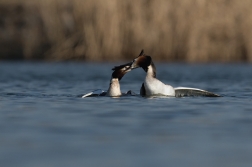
x,y
114,30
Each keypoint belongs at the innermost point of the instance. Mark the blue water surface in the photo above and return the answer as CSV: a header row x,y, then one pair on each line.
x,y
45,122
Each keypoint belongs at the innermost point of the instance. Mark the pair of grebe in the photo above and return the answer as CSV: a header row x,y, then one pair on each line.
x,y
151,85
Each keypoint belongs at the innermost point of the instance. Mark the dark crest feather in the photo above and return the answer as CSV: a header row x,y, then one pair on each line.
x,y
141,53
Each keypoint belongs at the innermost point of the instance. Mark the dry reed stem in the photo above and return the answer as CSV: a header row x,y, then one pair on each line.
x,y
169,30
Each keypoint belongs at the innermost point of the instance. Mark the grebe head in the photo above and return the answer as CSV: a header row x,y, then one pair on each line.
x,y
145,62
142,60
120,71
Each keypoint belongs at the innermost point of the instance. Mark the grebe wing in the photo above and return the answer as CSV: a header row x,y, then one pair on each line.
x,y
97,92
185,91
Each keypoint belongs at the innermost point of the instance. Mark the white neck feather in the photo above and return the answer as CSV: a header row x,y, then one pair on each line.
x,y
114,88
150,72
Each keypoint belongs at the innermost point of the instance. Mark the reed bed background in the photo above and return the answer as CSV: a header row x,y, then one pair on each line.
x,y
113,30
